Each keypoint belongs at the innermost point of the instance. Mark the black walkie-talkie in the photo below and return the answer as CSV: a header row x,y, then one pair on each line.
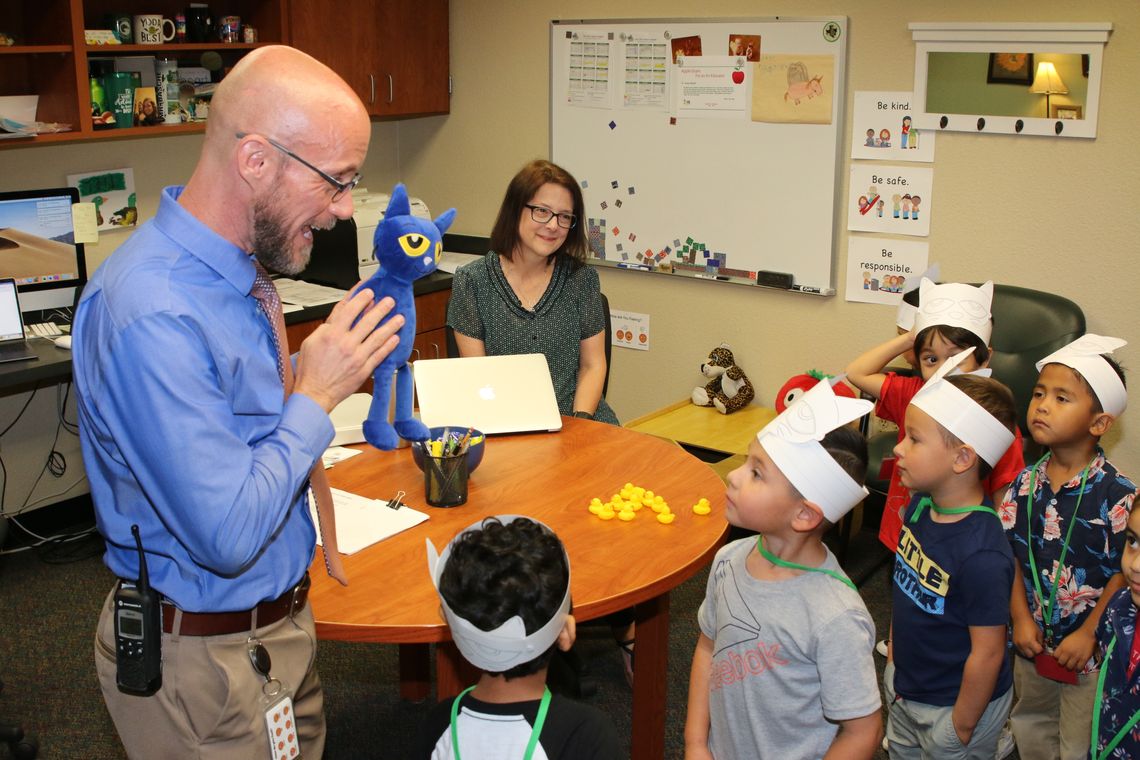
x,y
138,632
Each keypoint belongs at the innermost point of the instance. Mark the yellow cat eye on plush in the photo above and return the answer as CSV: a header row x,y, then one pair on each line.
x,y
414,244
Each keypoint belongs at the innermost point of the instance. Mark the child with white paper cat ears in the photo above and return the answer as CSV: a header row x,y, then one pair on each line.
x,y
948,683
783,665
947,319
504,589
1065,517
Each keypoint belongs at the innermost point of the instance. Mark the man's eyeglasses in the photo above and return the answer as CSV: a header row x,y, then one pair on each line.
x,y
340,187
542,215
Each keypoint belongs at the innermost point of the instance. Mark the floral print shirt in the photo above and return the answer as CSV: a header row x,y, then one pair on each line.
x,y
1121,697
1095,544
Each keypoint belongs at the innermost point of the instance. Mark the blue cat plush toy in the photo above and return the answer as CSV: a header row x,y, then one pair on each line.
x,y
406,248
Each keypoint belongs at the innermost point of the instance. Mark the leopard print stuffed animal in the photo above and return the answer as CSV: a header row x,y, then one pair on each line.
x,y
729,389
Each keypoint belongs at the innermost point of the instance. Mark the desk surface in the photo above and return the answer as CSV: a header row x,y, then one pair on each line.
x,y
687,423
551,477
53,364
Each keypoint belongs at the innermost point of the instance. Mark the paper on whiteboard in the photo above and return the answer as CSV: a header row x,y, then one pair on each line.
x,y
588,76
645,72
712,86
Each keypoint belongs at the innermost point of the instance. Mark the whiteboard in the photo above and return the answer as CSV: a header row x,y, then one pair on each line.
x,y
718,166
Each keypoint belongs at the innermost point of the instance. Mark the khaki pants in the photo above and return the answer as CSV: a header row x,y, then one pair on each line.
x,y
917,731
1051,720
210,702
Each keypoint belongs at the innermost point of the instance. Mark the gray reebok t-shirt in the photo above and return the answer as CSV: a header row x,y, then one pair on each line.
x,y
789,659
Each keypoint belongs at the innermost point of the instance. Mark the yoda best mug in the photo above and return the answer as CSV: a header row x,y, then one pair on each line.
x,y
150,29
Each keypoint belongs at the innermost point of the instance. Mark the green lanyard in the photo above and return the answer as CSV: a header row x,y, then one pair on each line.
x,y
1047,613
926,501
543,706
796,566
1116,739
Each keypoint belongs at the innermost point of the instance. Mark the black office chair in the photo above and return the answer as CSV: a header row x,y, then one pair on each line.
x,y
1028,326
453,348
334,259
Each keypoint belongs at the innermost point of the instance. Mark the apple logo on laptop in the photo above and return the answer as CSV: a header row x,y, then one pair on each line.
x,y
487,393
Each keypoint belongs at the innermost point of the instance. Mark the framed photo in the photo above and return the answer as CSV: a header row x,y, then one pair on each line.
x,y
1010,68
1058,111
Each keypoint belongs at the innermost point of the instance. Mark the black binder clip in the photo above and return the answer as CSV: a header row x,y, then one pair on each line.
x,y
397,502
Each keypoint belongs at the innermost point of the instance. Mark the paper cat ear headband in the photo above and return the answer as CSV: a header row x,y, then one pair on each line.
x,y
955,305
960,414
1084,355
904,316
792,441
508,645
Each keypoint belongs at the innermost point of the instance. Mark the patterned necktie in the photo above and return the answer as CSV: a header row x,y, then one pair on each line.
x,y
267,297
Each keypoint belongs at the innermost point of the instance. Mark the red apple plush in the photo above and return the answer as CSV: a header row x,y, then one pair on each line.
x,y
798,385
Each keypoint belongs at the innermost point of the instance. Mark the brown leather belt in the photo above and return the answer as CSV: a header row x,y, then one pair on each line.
x,y
222,623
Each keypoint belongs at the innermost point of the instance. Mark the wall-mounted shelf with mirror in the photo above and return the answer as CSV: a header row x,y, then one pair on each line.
x,y
1009,78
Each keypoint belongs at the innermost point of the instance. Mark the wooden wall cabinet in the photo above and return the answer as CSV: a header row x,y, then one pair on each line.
x,y
394,53
51,58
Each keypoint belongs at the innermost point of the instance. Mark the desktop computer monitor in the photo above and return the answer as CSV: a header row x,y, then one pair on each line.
x,y
38,249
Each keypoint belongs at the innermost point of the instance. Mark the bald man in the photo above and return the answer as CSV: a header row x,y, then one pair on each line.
x,y
185,429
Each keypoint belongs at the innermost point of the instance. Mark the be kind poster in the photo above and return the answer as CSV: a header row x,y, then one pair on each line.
x,y
883,128
895,199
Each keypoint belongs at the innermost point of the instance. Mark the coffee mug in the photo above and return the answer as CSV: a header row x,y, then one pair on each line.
x,y
199,24
120,26
229,29
150,29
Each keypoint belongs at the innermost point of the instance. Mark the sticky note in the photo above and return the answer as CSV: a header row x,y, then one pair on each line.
x,y
84,222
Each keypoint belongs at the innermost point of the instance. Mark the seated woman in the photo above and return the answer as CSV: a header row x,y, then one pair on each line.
x,y
532,294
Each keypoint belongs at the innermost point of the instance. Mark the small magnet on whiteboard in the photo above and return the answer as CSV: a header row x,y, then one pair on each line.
x,y
648,253
613,125
672,121
624,256
605,205
585,183
676,242
667,249
632,237
632,191
618,203
620,246
614,184
616,231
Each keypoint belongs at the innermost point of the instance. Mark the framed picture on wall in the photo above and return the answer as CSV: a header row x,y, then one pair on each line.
x,y
1058,111
1010,68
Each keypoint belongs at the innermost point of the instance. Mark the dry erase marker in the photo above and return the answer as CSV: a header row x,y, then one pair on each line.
x,y
624,265
720,277
810,289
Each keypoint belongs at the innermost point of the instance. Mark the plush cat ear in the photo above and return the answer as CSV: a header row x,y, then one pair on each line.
x,y
444,220
398,204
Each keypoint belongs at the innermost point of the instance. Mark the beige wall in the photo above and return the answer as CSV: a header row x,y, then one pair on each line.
x,y
1043,213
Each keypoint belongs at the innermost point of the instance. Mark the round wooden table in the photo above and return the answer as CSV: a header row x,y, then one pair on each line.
x,y
550,477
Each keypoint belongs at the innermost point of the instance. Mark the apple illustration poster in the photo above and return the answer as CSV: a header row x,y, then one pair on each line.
x,y
794,89
712,87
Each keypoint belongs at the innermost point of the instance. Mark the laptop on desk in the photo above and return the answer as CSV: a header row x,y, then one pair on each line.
x,y
494,394
13,343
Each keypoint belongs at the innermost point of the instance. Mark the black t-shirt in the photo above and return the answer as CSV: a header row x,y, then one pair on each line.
x,y
572,731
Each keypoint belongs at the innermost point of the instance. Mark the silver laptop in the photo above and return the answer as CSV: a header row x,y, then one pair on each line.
x,y
13,343
495,394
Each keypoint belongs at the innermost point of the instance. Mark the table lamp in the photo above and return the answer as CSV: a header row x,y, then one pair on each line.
x,y
1048,82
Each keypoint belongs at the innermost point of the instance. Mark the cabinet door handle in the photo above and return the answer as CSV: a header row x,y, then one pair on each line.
x,y
436,347
371,89
391,89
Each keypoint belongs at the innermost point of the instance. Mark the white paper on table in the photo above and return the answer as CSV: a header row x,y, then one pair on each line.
x,y
361,522
335,454
450,261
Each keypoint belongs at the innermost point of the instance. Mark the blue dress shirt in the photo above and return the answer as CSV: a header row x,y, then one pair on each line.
x,y
183,423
